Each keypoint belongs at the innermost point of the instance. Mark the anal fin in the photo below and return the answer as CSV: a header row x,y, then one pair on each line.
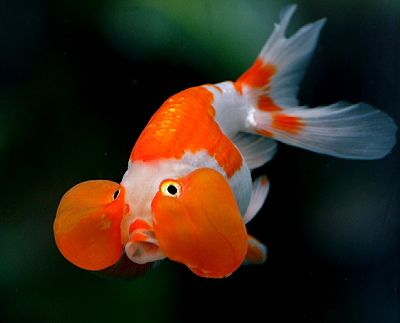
x,y
256,252
258,195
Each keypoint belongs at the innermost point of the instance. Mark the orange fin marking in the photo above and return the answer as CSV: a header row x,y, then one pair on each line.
x,y
265,103
264,180
185,123
259,75
290,124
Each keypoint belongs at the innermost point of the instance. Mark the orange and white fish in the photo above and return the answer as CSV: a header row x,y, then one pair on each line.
x,y
188,193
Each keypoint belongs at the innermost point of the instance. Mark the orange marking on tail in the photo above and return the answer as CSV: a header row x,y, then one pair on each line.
x,y
185,123
265,133
287,123
139,224
259,75
265,103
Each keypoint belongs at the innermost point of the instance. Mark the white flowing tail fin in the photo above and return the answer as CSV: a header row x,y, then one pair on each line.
x,y
354,131
270,87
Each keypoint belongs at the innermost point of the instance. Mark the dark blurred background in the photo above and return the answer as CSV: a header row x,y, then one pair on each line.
x,y
78,82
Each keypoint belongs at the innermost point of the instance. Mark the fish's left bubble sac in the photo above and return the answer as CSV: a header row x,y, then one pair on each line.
x,y
87,224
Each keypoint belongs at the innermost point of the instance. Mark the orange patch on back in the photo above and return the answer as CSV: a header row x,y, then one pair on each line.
x,y
259,75
287,123
185,123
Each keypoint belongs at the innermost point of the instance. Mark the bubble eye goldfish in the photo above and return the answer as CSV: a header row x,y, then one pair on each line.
x,y
188,192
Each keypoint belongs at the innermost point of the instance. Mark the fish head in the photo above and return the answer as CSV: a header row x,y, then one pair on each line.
x,y
197,222
87,227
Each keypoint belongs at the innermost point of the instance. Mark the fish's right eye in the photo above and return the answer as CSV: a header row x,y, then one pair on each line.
x,y
170,188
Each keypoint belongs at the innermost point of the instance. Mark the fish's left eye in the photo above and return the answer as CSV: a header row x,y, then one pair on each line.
x,y
170,188
116,194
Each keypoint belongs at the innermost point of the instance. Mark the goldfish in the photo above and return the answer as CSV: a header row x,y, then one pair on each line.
x,y
188,192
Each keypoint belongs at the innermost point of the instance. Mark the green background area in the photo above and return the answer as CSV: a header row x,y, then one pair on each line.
x,y
79,80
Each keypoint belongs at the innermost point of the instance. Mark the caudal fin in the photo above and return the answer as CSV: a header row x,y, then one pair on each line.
x,y
270,87
273,80
354,131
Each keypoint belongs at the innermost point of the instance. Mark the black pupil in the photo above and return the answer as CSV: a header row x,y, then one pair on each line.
x,y
116,194
172,189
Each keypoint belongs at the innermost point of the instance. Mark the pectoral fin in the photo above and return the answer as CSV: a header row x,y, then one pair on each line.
x,y
256,252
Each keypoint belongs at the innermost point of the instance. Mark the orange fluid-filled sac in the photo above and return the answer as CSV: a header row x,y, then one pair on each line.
x,y
87,225
198,223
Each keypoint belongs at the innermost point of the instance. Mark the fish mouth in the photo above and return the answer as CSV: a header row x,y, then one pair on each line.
x,y
143,246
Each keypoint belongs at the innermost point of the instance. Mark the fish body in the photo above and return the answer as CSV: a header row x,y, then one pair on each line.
x,y
185,134
188,191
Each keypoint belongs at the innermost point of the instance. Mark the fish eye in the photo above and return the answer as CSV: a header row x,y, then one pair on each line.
x,y
170,188
116,194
